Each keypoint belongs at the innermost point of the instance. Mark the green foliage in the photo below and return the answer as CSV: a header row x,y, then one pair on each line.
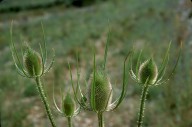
x,y
68,2
81,2
15,117
30,90
153,24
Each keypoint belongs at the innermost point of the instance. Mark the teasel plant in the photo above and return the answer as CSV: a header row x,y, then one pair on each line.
x,y
99,92
34,65
68,107
147,74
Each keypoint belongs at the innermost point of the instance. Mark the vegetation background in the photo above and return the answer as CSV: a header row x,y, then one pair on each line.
x,y
71,26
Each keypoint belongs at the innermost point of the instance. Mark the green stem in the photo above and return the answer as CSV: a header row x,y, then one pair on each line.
x,y
101,119
69,122
142,105
44,100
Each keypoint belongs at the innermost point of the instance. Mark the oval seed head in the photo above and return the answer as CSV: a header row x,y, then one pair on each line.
x,y
148,70
32,62
68,106
103,93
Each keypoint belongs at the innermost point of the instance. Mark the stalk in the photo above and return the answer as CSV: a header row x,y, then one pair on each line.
x,y
142,105
100,119
69,122
44,100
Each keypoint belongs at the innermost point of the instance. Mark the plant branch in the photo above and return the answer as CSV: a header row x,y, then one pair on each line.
x,y
142,105
44,100
69,122
100,119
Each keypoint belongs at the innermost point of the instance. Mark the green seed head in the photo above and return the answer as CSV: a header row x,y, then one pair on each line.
x,y
148,70
68,106
103,95
33,62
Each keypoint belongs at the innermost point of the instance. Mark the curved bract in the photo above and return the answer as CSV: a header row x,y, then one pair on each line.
x,y
33,66
99,98
68,106
34,63
148,70
148,75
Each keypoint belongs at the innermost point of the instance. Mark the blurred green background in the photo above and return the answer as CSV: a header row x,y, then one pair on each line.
x,y
72,26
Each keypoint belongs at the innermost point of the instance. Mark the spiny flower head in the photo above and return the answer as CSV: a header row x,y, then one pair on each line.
x,y
68,106
99,94
33,62
148,71
102,90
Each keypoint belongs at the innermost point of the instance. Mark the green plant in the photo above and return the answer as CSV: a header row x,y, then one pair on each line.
x,y
33,66
68,108
30,90
81,2
148,75
99,98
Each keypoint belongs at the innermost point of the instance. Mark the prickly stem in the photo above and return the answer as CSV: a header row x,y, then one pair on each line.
x,y
100,119
142,105
45,101
69,120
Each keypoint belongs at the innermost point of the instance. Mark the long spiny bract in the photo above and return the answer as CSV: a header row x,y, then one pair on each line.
x,y
149,75
99,89
34,63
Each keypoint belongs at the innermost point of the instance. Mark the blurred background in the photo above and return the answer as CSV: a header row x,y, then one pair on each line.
x,y
79,25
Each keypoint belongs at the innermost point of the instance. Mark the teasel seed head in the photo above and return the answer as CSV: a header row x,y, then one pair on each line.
x,y
68,106
99,95
103,89
33,62
148,70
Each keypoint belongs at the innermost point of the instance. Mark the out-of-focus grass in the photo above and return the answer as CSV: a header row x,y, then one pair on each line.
x,y
22,3
147,24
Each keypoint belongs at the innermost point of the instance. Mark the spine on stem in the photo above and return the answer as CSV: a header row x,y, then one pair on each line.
x,y
44,100
142,105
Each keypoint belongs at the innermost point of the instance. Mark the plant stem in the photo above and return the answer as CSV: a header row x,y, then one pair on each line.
x,y
142,105
100,119
45,102
69,122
